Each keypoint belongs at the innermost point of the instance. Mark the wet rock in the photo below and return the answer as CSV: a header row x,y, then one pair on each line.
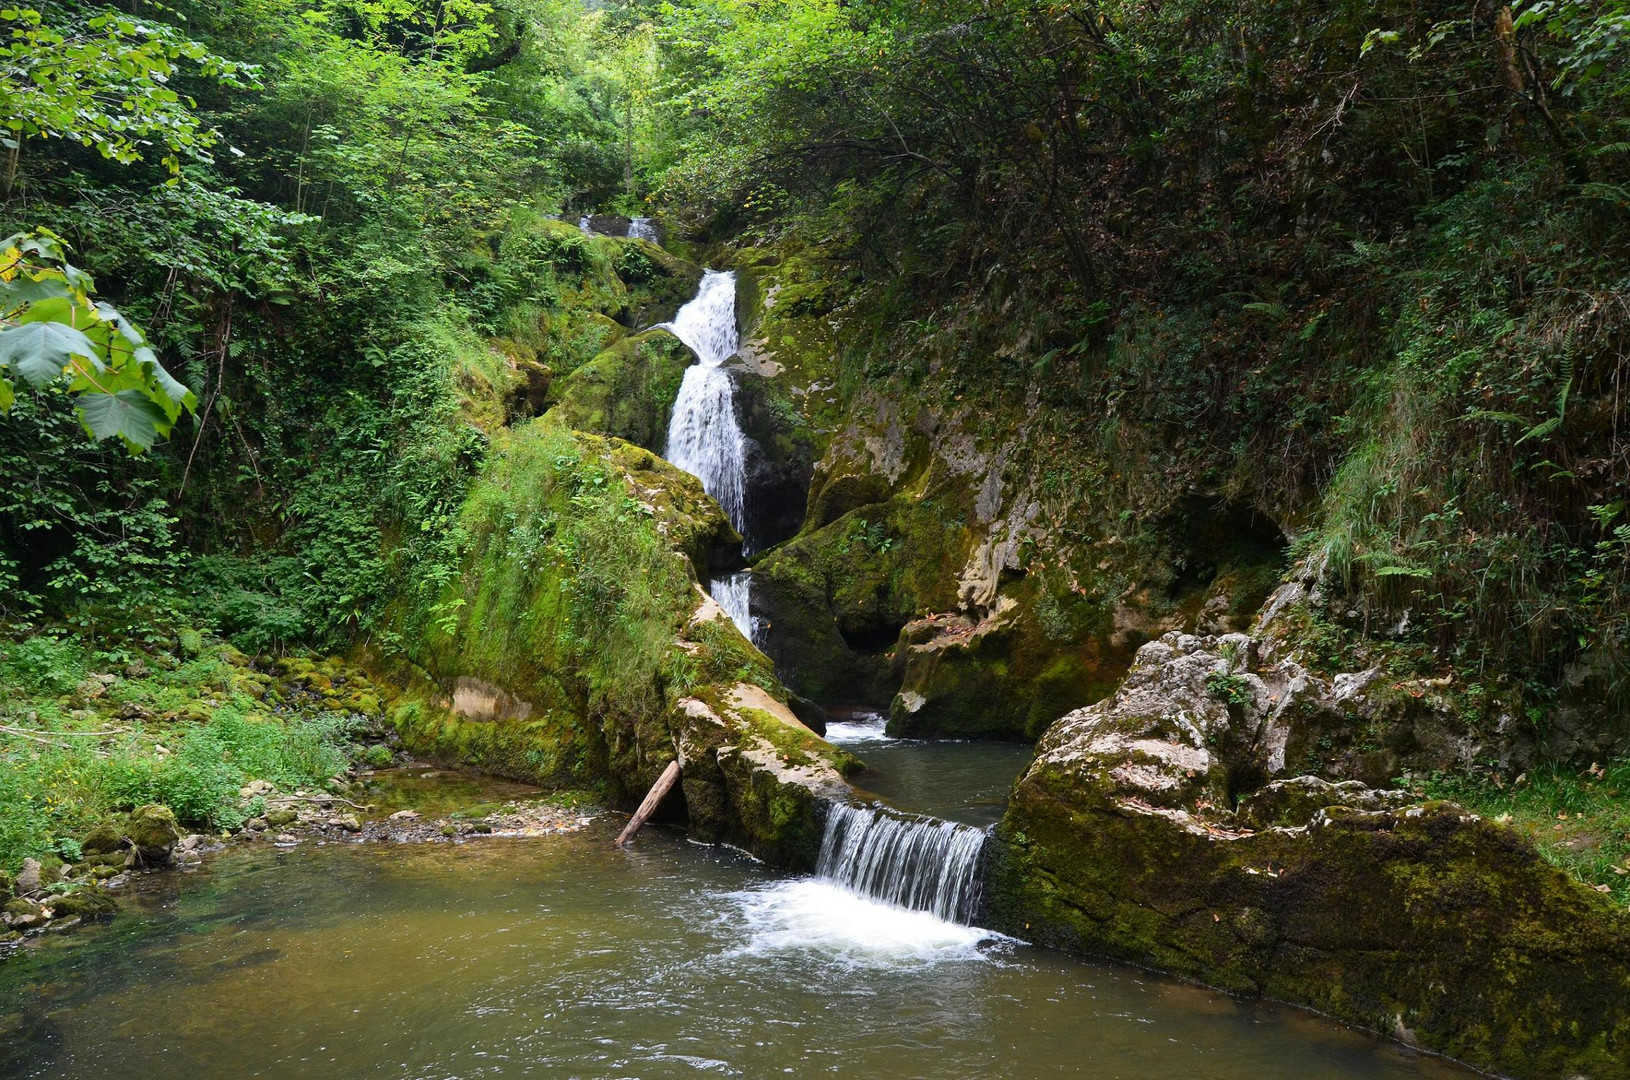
x,y
277,819
23,914
191,846
609,224
348,822
29,880
86,902
153,833
405,815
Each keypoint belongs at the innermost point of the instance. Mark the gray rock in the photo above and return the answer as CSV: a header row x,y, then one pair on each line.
x,y
29,880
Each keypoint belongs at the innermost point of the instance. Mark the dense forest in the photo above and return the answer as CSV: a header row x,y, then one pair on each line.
x,y
1068,326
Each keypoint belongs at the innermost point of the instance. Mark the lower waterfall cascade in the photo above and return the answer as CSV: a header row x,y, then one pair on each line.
x,y
910,861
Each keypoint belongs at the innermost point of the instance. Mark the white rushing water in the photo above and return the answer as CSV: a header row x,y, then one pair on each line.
x,y
640,228
861,727
704,437
918,863
819,918
583,223
734,593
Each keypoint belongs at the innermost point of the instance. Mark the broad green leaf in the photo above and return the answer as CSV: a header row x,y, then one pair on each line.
x,y
127,414
173,388
39,351
1402,571
25,290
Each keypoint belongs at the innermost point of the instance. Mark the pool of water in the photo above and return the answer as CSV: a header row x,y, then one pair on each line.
x,y
960,781
562,957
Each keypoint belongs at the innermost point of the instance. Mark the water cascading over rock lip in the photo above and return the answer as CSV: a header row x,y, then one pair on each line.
x,y
908,860
704,436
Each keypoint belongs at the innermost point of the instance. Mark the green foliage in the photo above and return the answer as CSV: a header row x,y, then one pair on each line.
x,y
559,550
201,777
79,743
1579,819
1229,689
101,79
52,335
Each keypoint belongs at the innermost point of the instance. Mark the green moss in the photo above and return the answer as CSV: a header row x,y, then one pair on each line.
x,y
627,391
1427,920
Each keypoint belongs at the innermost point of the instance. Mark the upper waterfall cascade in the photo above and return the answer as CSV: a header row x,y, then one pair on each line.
x,y
704,436
920,863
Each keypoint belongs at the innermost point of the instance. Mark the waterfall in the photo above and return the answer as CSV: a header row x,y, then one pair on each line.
x,y
733,592
640,228
704,437
583,223
920,863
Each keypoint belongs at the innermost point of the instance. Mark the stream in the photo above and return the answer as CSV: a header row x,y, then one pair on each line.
x,y
561,957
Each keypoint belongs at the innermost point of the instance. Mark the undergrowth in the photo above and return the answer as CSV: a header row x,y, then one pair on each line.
x,y
83,738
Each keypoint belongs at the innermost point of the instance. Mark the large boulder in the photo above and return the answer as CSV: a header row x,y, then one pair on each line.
x,y
627,391
103,839
1165,826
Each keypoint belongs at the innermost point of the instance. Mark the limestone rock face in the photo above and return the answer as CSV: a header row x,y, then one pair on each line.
x,y
1164,825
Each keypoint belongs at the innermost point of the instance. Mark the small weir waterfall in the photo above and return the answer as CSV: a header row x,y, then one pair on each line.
x,y
919,863
704,436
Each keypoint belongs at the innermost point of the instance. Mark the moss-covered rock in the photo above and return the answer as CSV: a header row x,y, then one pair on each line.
x,y
583,654
153,832
87,901
627,391
104,839
1123,839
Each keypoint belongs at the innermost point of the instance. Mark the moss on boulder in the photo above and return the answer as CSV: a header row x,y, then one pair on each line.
x,y
153,832
627,391
580,651
1123,839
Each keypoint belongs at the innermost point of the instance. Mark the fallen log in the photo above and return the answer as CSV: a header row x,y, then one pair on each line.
x,y
653,799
